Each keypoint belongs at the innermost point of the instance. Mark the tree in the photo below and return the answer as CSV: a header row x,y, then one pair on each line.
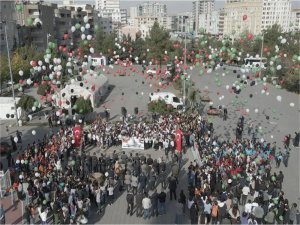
x,y
83,106
160,107
43,89
157,42
26,102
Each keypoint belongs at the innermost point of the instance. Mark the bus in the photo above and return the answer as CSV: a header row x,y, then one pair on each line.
x,y
255,62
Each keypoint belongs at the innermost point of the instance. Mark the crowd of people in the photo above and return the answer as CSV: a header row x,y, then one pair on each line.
x,y
231,182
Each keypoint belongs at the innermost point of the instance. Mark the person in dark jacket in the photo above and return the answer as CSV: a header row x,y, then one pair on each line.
x,y
154,202
139,205
194,214
182,200
172,187
130,202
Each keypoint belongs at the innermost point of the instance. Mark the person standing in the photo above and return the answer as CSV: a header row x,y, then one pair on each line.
x,y
182,200
146,206
162,202
2,214
296,139
139,205
154,202
130,202
172,187
110,190
245,192
194,214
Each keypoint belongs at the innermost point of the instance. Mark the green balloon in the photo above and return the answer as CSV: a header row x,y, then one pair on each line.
x,y
201,30
197,56
212,62
77,26
96,27
202,43
201,72
29,21
48,51
75,107
85,42
36,104
19,8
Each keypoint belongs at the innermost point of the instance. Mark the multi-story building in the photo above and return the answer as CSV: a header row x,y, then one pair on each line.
x,y
63,21
295,19
107,4
256,15
106,25
153,9
37,21
8,14
123,16
212,23
276,12
133,12
182,22
201,7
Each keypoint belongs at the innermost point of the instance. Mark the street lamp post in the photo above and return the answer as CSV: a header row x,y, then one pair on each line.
x,y
10,71
261,51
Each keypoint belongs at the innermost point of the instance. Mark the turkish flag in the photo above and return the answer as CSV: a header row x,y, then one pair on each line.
x,y
178,140
77,136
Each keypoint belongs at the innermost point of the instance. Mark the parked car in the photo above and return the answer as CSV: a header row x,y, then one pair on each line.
x,y
5,147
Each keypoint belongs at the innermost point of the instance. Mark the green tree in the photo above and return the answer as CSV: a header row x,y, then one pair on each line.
x,y
26,102
43,89
83,106
159,107
157,42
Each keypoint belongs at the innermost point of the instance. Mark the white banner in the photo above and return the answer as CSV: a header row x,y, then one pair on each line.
x,y
133,143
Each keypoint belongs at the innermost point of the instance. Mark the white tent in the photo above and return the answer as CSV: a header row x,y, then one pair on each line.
x,y
91,87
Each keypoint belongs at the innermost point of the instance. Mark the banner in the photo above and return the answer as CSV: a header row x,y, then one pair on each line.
x,y
178,137
77,136
133,143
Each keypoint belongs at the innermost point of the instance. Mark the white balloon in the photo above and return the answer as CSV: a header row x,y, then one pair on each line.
x,y
40,63
83,36
247,110
73,141
28,81
73,29
271,63
82,29
262,140
166,52
265,79
292,104
59,67
16,139
30,117
33,108
227,87
33,132
85,19
279,67
147,49
57,113
89,37
47,60
21,73
92,50
256,110
272,136
283,41
279,98
87,26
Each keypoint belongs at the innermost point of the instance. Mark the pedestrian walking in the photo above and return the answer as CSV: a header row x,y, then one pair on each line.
x,y
130,202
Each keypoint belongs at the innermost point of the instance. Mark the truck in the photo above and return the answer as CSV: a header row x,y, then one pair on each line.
x,y
168,97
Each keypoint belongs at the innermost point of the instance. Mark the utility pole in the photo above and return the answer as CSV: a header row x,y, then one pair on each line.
x,y
10,71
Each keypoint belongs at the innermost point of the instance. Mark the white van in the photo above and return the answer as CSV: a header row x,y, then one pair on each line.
x,y
168,97
99,61
255,62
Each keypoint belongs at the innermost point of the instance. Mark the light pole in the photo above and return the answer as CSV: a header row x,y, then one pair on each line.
x,y
261,51
10,71
48,35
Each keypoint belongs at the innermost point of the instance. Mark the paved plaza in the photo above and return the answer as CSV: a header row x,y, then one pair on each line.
x,y
274,118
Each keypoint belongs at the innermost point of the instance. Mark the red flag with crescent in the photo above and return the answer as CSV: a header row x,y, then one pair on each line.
x,y
178,140
77,136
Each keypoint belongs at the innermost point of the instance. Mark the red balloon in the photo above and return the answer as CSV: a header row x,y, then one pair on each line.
x,y
250,37
66,36
266,49
60,48
33,64
245,17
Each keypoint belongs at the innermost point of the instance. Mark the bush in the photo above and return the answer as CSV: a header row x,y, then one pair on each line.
x,y
42,89
292,83
160,107
83,106
26,102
